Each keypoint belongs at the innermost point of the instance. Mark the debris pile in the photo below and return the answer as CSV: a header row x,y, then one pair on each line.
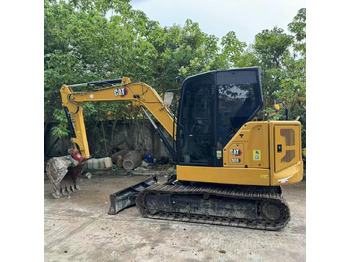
x,y
133,161
74,166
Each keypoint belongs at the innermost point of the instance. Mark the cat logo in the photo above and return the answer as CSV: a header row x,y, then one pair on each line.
x,y
236,152
121,92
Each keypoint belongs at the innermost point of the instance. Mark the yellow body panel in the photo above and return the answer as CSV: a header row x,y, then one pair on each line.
x,y
282,172
285,139
241,176
252,137
255,145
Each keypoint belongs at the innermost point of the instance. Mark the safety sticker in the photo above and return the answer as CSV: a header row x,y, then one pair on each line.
x,y
218,154
264,176
256,155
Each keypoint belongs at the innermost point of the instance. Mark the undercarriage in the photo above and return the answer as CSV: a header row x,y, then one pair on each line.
x,y
253,207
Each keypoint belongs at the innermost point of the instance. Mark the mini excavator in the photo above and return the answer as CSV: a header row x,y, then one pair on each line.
x,y
229,169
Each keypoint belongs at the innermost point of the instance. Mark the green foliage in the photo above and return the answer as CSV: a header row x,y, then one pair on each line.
x,y
61,129
186,51
232,47
298,28
273,115
272,47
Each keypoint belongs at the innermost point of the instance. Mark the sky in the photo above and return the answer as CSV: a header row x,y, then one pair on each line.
x,y
218,17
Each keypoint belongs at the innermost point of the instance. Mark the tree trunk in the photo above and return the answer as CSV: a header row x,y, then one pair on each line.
x,y
104,138
113,128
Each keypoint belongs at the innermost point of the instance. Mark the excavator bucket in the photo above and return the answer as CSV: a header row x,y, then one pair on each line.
x,y
127,197
57,168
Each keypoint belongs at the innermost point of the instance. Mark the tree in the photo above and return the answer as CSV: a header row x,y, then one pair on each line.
x,y
232,47
298,28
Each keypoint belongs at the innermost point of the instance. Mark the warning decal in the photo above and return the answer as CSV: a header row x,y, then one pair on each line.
x,y
256,155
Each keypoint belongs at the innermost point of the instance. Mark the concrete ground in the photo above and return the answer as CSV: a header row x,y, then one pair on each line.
x,y
79,229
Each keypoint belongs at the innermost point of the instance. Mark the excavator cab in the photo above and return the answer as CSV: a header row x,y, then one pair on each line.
x,y
212,108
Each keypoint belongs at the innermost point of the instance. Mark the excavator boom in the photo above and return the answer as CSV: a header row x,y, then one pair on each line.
x,y
140,94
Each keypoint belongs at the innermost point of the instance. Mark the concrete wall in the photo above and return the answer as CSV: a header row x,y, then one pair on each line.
x,y
140,136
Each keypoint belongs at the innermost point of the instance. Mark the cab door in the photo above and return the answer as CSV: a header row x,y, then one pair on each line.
x,y
196,132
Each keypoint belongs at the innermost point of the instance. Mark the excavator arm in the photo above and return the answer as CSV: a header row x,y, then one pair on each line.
x,y
139,93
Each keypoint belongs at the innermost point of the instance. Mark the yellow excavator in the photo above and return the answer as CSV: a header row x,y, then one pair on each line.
x,y
229,169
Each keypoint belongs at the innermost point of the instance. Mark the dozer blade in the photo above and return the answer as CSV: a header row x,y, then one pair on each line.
x,y
127,197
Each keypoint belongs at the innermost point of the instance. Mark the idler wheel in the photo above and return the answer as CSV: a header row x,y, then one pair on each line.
x,y
272,210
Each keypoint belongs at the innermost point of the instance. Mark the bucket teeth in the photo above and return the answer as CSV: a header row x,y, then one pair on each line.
x,y
68,189
64,191
55,195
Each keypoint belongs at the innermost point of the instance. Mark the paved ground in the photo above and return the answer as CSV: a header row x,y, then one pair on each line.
x,y
79,229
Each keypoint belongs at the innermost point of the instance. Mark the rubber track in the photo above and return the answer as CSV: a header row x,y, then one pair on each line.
x,y
235,193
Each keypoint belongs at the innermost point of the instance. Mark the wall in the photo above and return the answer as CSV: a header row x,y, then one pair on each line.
x,y
140,136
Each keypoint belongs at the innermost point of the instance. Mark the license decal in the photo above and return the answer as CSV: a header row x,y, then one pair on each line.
x,y
256,155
